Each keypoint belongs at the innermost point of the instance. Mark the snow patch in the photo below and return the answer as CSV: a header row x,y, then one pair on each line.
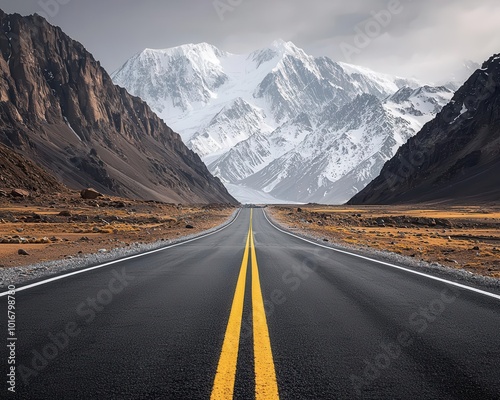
x,y
71,128
462,112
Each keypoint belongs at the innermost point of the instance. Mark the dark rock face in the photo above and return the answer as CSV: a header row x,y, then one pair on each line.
x,y
454,157
61,109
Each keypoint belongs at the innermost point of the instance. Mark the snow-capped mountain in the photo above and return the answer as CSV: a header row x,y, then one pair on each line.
x,y
297,127
340,156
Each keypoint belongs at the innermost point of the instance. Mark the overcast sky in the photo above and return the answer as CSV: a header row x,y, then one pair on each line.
x,y
427,39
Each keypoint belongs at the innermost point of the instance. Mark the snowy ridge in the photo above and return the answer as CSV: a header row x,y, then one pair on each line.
x,y
281,122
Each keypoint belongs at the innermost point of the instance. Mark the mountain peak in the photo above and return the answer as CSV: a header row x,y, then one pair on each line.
x,y
282,44
283,47
277,50
186,50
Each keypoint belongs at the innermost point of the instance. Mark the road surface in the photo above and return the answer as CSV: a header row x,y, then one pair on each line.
x,y
252,312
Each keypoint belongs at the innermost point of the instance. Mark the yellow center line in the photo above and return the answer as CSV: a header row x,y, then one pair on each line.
x,y
226,370
266,386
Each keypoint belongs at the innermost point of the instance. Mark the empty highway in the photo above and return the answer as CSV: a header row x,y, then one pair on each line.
x,y
252,312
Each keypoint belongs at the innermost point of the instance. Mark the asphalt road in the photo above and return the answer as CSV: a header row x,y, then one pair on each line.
x,y
188,323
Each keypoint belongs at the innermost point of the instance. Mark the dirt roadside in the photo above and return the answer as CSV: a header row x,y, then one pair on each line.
x,y
461,237
64,226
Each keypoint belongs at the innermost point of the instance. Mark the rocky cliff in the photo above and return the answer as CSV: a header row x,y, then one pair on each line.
x,y
59,108
454,157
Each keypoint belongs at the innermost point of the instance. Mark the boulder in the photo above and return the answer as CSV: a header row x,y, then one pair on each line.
x,y
90,194
19,193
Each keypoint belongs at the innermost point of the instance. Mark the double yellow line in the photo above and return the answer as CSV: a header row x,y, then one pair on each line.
x,y
266,386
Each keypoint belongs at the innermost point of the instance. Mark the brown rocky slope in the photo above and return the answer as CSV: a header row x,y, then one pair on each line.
x,y
59,108
16,172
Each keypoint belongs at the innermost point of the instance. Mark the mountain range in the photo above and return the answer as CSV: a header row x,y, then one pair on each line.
x,y
275,125
280,122
60,109
455,157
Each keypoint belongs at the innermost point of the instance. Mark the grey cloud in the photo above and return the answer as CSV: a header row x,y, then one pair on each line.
x,y
426,39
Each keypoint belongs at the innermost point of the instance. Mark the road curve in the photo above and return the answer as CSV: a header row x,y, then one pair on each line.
x,y
335,326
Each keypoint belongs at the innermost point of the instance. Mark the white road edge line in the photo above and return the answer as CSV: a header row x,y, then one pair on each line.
x,y
81,271
483,292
